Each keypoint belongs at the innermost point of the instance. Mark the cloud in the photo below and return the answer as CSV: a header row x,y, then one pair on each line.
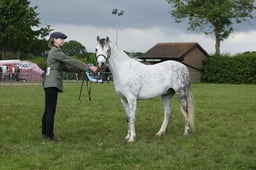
x,y
239,42
130,39
144,23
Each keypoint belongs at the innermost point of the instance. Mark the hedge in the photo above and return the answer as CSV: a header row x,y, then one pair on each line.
x,y
238,69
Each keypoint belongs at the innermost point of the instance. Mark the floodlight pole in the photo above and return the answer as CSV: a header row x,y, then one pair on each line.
x,y
117,14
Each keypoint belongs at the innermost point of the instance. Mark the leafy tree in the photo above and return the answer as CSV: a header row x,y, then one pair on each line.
x,y
212,16
91,58
74,48
19,26
40,47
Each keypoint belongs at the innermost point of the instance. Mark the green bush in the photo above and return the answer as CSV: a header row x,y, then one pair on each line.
x,y
240,68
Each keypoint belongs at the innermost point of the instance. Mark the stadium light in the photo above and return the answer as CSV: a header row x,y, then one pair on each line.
x,y
117,14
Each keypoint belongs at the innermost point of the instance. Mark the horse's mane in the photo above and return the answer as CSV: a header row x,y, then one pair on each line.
x,y
103,42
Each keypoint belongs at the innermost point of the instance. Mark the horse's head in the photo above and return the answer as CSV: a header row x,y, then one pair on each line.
x,y
103,51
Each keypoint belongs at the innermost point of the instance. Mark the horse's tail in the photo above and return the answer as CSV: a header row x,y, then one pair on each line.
x,y
190,109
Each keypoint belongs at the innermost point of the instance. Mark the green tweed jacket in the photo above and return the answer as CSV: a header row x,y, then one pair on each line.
x,y
57,62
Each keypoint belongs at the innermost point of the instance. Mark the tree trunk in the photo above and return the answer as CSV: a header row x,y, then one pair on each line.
x,y
217,40
217,45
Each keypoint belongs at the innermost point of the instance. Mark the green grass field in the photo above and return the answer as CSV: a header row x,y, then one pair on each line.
x,y
92,133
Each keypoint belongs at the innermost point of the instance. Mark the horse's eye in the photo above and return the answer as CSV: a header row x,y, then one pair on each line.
x,y
96,49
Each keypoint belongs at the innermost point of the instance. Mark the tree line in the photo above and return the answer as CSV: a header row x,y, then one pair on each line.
x,y
21,33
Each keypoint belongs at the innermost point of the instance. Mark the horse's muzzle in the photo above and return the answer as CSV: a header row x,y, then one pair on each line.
x,y
100,65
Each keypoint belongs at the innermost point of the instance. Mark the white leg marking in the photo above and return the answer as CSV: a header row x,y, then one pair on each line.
x,y
132,119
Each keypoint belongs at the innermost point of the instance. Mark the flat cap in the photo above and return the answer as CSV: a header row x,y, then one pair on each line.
x,y
58,35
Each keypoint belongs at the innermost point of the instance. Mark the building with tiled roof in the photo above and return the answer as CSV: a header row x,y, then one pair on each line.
x,y
191,54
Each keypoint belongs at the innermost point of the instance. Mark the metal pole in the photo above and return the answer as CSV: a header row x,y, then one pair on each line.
x,y
117,14
117,21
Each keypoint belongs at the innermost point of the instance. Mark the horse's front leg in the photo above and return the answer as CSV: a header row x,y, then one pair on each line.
x,y
131,120
127,113
130,110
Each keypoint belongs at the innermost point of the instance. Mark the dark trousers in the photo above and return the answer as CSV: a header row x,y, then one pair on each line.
x,y
51,96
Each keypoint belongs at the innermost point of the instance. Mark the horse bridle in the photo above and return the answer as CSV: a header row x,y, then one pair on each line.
x,y
106,57
87,79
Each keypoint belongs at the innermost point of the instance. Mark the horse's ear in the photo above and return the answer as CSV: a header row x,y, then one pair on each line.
x,y
98,39
107,39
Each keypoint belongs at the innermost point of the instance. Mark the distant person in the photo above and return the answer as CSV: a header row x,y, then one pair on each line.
x,y
10,71
17,73
77,77
1,73
57,62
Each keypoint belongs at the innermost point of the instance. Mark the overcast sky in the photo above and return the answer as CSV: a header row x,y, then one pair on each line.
x,y
144,23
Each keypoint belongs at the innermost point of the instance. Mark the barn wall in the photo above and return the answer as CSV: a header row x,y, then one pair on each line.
x,y
195,75
195,58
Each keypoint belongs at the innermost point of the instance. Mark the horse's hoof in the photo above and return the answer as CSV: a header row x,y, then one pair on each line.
x,y
160,133
127,137
131,140
186,133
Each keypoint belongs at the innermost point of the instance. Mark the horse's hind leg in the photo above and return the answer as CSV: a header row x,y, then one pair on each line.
x,y
186,107
167,112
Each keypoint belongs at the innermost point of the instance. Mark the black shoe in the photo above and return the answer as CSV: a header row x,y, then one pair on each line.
x,y
50,139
